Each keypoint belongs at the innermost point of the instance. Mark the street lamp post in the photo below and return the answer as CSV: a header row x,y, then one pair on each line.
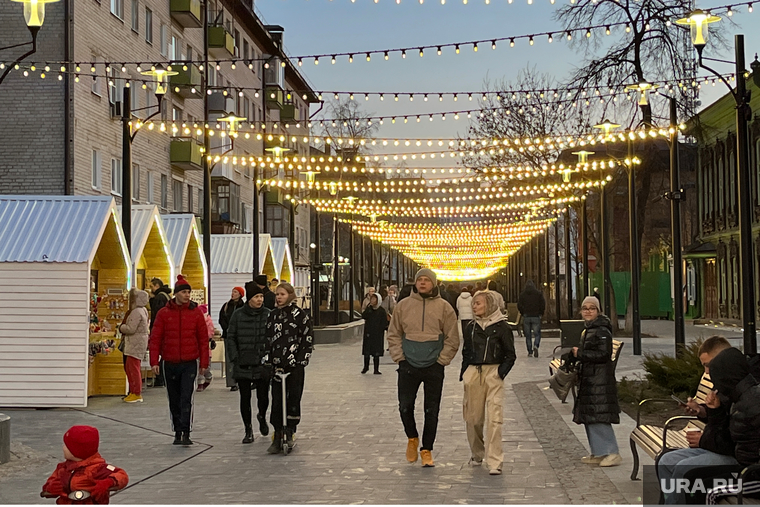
x,y
336,270
568,267
698,22
557,305
675,195
584,242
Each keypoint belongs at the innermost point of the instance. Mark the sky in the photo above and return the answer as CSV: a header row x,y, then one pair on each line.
x,y
338,26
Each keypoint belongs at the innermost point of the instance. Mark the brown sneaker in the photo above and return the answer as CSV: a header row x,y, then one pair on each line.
x,y
427,458
411,449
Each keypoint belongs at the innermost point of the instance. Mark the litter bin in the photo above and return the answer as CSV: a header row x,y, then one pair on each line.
x,y
571,332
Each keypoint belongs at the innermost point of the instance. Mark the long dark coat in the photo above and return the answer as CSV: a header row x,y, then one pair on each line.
x,y
375,324
597,400
247,343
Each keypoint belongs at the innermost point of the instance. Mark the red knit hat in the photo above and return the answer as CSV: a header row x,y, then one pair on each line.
x,y
240,290
82,441
181,284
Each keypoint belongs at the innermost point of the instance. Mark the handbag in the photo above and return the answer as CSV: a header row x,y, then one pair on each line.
x,y
563,380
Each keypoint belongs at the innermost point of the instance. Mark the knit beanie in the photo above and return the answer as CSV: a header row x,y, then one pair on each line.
x,y
260,279
240,290
428,273
251,289
591,301
82,441
727,369
181,284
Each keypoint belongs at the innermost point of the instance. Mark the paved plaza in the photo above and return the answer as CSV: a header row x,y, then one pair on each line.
x,y
350,444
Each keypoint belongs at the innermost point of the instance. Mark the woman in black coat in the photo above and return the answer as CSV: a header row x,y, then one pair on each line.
x,y
596,405
225,315
375,324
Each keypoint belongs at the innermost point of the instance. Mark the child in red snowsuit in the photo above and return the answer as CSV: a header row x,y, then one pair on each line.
x,y
84,478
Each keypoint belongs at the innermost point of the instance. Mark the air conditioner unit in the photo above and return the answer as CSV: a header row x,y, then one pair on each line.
x,y
116,110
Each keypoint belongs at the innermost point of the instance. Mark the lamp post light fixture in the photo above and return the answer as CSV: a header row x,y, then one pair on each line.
x,y
160,77
698,22
234,122
607,126
644,88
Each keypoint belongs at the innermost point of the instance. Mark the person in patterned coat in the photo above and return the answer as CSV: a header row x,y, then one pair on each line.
x,y
290,338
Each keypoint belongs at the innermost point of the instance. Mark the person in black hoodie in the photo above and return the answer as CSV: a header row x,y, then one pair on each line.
x,y
269,299
225,314
531,305
711,447
161,295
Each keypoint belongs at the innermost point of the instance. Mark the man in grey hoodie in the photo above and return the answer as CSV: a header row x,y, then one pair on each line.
x,y
423,338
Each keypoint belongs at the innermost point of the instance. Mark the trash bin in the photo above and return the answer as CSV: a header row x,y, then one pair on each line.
x,y
571,332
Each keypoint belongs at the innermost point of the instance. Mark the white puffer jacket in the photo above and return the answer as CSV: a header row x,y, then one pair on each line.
x,y
464,306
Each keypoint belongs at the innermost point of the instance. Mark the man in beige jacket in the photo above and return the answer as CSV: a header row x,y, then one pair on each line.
x,y
423,337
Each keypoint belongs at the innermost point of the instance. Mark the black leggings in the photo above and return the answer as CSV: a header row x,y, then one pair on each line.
x,y
376,361
262,397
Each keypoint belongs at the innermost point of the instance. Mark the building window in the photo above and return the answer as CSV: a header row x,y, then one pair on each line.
x,y
95,169
164,192
135,16
150,189
135,98
189,198
117,8
116,176
175,49
189,53
278,221
148,26
237,43
177,194
115,86
200,202
135,182
246,49
164,39
225,201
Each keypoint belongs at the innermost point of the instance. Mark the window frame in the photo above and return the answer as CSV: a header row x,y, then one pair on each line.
x,y
148,25
135,21
117,5
135,182
116,167
96,175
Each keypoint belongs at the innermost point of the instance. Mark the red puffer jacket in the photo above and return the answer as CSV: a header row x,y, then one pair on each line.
x,y
179,335
71,476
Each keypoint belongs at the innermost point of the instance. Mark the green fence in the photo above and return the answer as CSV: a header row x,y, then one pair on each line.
x,y
654,292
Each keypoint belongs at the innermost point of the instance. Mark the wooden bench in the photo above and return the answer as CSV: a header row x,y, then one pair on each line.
x,y
655,440
556,362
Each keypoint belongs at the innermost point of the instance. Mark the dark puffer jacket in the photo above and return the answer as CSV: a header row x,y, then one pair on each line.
x,y
597,400
179,335
290,337
160,298
731,376
225,314
247,343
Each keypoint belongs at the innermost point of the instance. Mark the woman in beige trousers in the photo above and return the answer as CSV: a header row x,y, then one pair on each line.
x,y
487,357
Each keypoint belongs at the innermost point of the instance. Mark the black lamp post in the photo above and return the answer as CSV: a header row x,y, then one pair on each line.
x,y
698,21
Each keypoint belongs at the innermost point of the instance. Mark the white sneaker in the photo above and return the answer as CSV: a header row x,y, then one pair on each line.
x,y
495,471
475,462
611,460
592,460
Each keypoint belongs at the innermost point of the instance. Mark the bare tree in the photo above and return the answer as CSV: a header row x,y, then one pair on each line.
x,y
344,119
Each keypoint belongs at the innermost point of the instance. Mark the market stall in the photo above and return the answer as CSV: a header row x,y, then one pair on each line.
x,y
232,264
186,248
65,255
151,257
283,260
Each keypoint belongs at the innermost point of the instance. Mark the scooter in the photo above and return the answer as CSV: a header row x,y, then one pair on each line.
x,y
285,447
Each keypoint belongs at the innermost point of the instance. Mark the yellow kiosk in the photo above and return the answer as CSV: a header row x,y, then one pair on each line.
x,y
283,260
187,252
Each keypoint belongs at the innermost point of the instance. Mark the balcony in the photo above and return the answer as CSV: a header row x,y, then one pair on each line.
x,y
185,153
219,103
186,12
275,196
290,112
274,95
221,43
185,81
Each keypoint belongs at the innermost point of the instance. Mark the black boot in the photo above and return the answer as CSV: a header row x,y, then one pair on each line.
x,y
263,426
248,439
376,360
177,438
289,438
186,438
276,447
366,365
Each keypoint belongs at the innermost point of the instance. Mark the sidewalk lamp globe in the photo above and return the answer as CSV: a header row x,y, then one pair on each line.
x,y
698,22
34,12
607,126
643,87
160,77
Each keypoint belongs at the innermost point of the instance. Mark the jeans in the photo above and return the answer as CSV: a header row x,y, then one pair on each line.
x,y
601,439
180,388
532,327
262,398
293,392
409,380
674,464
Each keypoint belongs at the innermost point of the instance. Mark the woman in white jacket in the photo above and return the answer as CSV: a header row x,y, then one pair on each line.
x,y
464,308
134,332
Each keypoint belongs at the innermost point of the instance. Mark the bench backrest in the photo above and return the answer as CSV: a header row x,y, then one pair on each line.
x,y
705,386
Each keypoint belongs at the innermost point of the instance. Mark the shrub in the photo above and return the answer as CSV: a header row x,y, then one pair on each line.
x,y
676,375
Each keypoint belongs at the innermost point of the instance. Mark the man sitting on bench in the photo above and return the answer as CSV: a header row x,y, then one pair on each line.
x,y
711,447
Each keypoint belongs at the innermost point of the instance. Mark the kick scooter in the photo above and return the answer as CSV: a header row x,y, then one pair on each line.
x,y
285,447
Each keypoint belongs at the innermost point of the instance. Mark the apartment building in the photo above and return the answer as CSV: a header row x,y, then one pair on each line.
x,y
63,135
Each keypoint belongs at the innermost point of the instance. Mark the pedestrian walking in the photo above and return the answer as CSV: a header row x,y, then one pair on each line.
x,y
204,379
290,343
596,405
406,290
269,298
464,309
225,314
367,294
134,331
247,345
84,478
388,301
488,355
423,338
180,341
161,294
531,304
375,324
